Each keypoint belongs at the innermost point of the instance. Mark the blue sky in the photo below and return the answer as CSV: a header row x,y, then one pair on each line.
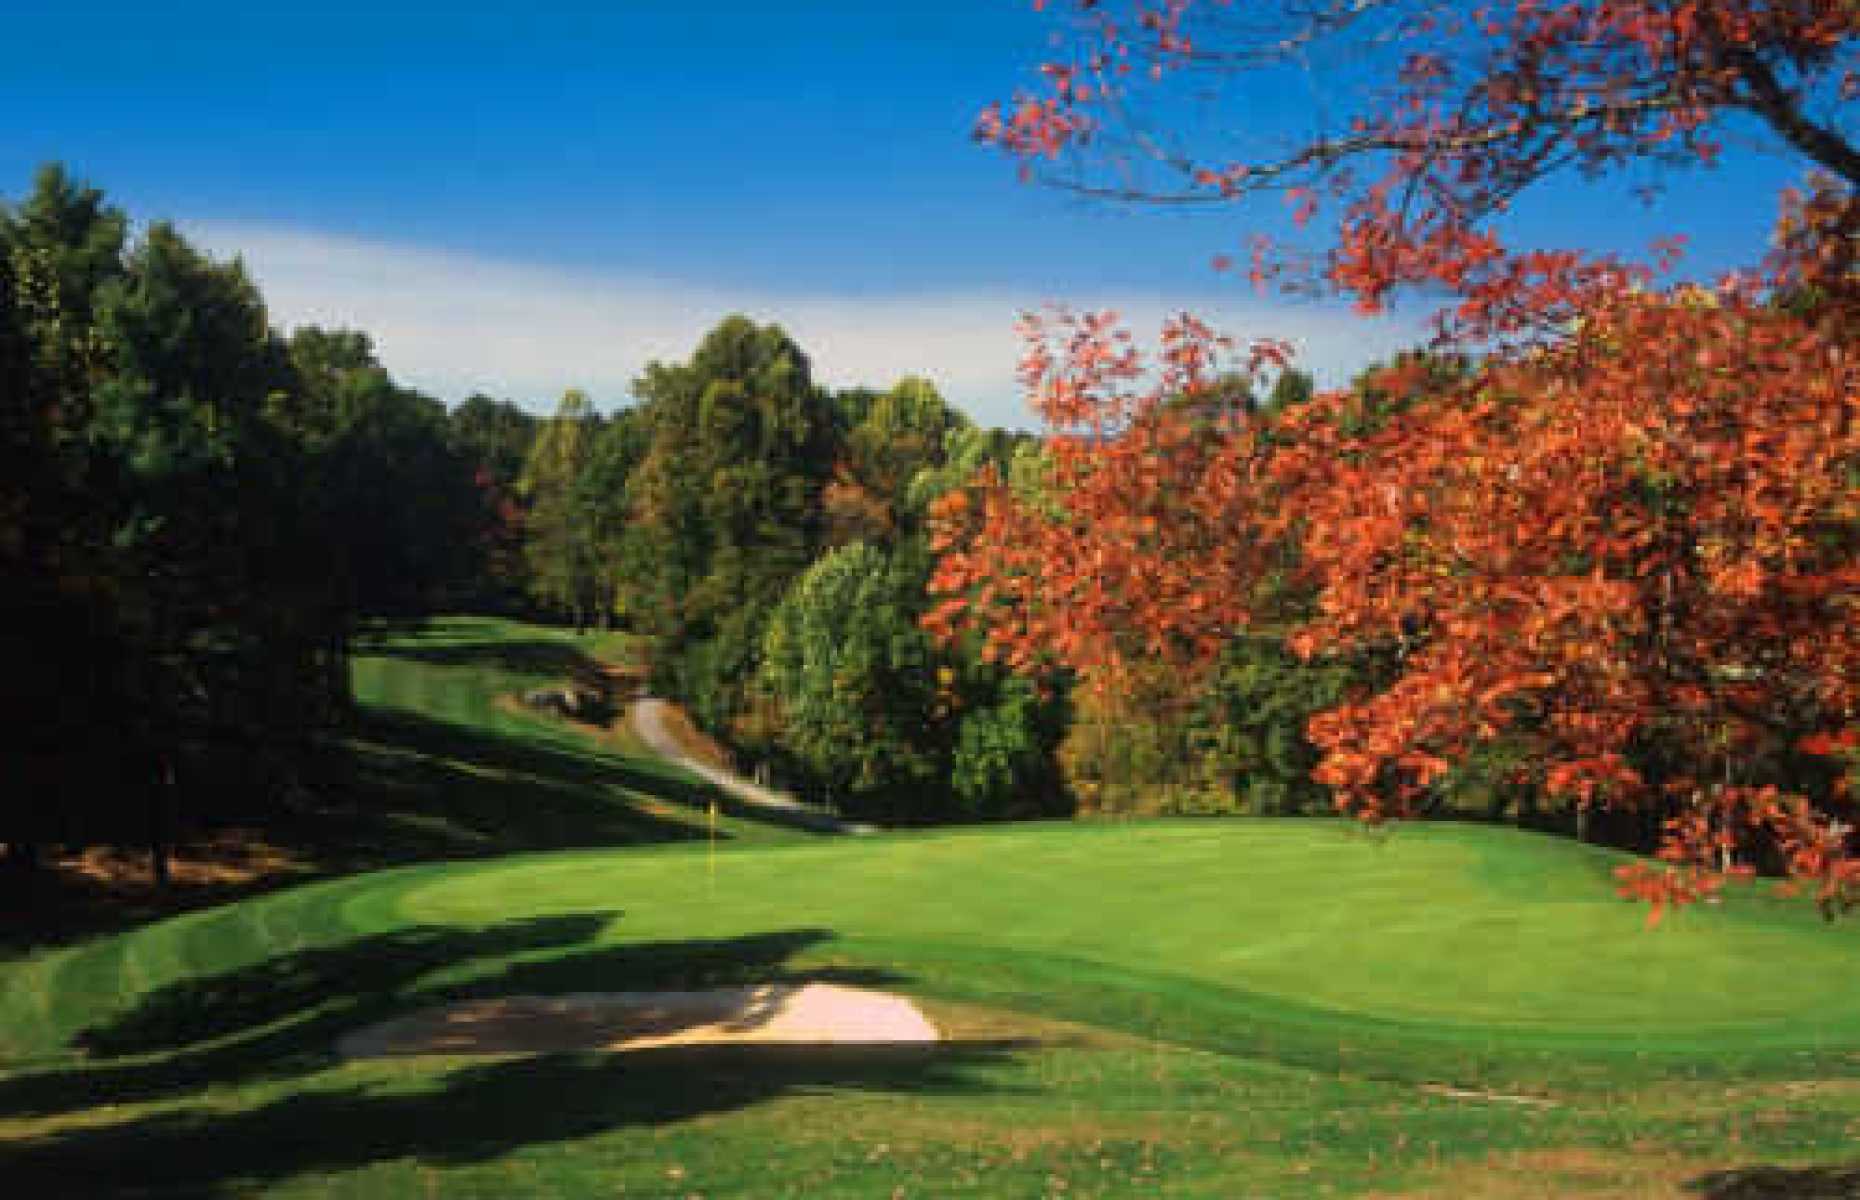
x,y
527,197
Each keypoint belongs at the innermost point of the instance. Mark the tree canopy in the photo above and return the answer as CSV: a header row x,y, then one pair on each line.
x,y
1616,562
1440,116
195,513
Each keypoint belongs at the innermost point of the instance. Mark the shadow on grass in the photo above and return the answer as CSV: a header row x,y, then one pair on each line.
x,y
365,971
452,1113
57,905
1780,1183
281,1018
472,1114
396,787
408,787
399,787
273,1019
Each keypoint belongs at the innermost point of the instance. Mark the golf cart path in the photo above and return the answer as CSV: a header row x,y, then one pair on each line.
x,y
647,715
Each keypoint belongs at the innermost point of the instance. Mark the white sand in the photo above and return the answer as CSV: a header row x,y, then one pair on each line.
x,y
811,1013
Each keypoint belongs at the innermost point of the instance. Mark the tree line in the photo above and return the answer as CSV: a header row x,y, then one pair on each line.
x,y
765,538
197,513
770,541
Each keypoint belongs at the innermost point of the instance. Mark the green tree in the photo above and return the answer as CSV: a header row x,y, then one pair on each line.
x,y
599,497
399,503
1292,388
1002,763
186,511
55,706
724,507
1251,719
852,677
906,430
559,544
73,241
224,611
495,436
898,434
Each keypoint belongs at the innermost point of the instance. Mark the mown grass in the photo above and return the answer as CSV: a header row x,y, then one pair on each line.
x,y
1232,1008
443,764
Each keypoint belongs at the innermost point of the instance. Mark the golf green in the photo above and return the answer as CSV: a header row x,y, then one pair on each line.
x,y
1191,1008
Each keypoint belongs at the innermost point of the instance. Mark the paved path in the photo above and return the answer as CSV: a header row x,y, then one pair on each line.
x,y
648,717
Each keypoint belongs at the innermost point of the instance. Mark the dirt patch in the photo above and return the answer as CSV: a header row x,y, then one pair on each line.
x,y
1644,1171
110,887
1554,1174
693,741
624,681
1485,1097
814,1014
229,859
1795,1089
615,734
514,706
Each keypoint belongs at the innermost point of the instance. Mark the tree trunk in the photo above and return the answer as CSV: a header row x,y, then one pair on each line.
x,y
158,825
336,677
22,856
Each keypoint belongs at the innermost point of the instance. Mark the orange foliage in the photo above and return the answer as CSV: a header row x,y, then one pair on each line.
x,y
1627,540
1455,110
1646,531
1134,515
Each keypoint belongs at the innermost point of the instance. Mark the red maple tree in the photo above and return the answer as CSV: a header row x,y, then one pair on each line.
x,y
1629,543
1438,116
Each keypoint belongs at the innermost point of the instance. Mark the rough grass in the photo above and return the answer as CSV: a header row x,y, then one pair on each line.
x,y
1180,1008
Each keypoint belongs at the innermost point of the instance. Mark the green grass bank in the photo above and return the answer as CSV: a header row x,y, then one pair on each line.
x,y
1186,1008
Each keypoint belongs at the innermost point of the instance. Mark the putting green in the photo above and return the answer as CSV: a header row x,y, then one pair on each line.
x,y
1456,952
1472,927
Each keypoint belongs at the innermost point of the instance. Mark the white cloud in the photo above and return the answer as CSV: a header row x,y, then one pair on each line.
x,y
451,324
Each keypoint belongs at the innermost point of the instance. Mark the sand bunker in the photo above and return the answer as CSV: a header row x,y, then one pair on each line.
x,y
811,1013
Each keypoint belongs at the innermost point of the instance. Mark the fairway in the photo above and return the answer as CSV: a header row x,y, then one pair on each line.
x,y
1128,973
1190,1008
446,762
1482,942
